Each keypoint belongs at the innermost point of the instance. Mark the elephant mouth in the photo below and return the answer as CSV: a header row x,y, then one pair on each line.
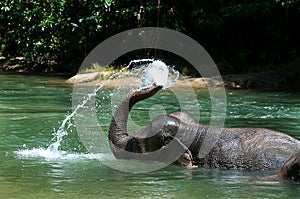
x,y
186,160
189,165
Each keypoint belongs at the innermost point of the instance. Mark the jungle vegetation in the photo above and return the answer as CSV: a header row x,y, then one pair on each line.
x,y
240,35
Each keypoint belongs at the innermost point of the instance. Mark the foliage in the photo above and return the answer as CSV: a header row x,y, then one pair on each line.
x,y
62,32
49,30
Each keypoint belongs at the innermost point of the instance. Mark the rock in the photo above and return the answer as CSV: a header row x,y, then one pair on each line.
x,y
199,82
12,64
83,78
96,78
92,79
269,80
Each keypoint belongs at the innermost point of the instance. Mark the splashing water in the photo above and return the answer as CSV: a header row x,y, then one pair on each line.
x,y
157,72
148,70
61,155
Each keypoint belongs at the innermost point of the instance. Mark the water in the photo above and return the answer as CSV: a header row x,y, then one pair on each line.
x,y
31,107
149,71
160,73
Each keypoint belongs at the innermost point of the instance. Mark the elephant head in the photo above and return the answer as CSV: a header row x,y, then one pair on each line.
x,y
147,140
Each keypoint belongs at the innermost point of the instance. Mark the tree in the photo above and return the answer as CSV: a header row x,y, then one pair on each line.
x,y
59,33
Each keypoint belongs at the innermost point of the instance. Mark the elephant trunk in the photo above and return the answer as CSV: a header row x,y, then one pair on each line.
x,y
118,135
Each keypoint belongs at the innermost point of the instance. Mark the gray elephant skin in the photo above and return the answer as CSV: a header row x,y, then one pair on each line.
x,y
234,148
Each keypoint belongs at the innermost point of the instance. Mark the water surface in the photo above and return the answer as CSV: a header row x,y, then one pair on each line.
x,y
32,107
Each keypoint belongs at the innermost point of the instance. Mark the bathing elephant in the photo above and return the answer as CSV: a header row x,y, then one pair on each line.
x,y
234,148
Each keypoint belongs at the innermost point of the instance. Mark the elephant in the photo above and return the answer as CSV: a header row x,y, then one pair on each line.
x,y
234,148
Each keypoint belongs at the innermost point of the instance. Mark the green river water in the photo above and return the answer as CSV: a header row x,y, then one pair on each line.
x,y
32,107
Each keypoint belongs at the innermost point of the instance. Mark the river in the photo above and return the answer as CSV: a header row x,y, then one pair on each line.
x,y
32,107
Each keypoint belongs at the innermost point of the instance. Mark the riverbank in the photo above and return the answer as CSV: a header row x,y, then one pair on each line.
x,y
260,80
92,79
263,80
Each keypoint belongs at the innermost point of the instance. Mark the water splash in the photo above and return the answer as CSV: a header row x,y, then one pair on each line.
x,y
159,73
56,155
148,70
